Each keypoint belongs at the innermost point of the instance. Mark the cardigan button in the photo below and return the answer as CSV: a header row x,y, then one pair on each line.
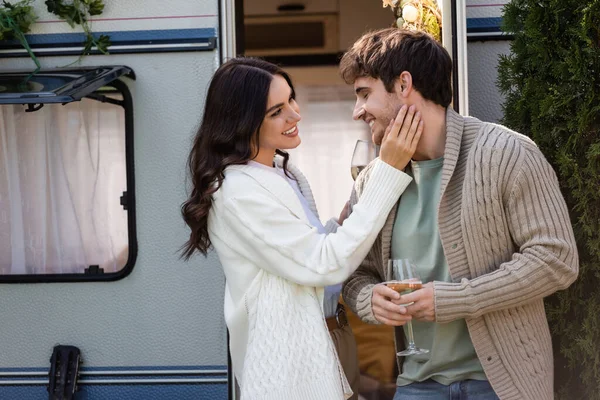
x,y
454,246
489,358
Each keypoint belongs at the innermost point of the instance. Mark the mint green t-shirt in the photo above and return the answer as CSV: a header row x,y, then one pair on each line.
x,y
416,236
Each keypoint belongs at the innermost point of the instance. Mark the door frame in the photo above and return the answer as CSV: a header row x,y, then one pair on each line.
x,y
454,39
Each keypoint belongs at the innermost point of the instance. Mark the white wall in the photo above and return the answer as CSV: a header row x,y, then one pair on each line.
x,y
130,15
485,100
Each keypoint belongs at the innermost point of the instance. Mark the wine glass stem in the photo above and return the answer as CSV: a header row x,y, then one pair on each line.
x,y
411,335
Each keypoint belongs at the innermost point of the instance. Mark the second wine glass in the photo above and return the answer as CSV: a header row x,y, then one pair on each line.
x,y
364,153
406,280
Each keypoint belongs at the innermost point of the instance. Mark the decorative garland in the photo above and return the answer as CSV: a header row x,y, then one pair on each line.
x,y
78,12
417,15
16,20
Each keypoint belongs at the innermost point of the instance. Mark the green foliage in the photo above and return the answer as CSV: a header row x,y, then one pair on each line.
x,y
19,15
15,21
77,12
551,80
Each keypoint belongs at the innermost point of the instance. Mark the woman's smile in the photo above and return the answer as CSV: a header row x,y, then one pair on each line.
x,y
293,131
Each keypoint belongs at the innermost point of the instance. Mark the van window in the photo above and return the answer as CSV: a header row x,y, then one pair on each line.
x,y
67,209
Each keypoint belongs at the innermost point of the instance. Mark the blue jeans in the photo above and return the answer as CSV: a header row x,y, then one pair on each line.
x,y
461,390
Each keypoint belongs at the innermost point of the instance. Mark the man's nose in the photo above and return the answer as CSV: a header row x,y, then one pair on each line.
x,y
358,112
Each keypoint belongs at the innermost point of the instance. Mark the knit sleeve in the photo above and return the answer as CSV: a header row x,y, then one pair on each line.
x,y
546,260
265,231
358,289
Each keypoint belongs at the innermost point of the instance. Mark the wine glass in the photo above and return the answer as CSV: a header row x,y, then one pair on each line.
x,y
364,153
406,280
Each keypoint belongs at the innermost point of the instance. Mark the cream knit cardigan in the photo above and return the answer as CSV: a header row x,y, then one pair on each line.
x,y
276,265
508,241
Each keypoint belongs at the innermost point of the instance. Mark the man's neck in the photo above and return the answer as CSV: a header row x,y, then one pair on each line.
x,y
433,139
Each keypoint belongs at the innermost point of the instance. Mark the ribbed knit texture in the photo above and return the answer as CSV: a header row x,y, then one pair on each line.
x,y
276,264
508,241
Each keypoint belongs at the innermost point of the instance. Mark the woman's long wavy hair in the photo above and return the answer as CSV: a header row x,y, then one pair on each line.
x,y
235,109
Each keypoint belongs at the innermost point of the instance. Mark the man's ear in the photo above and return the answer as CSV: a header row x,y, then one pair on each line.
x,y
404,84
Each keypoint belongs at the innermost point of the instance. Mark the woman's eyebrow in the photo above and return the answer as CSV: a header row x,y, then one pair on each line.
x,y
274,107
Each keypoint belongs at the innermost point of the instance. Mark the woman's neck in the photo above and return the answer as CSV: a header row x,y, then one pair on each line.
x,y
265,157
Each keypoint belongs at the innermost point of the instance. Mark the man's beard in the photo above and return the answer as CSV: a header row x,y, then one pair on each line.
x,y
377,136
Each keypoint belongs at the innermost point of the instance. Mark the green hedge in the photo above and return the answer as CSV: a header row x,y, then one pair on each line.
x,y
551,80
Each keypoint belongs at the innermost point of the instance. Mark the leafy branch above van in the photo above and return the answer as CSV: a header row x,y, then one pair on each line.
x,y
78,12
15,21
18,15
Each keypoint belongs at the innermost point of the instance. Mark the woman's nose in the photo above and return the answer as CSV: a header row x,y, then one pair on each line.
x,y
294,116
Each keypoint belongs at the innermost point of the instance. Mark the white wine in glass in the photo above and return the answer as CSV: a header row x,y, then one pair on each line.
x,y
364,153
406,280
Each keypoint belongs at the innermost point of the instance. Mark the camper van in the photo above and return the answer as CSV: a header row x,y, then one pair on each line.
x,y
95,301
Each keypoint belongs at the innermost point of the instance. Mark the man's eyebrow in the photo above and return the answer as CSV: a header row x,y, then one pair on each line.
x,y
361,89
274,107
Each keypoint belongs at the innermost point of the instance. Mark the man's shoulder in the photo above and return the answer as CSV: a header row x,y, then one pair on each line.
x,y
496,136
497,146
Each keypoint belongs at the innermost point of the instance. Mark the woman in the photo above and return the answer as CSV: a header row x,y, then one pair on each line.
x,y
256,210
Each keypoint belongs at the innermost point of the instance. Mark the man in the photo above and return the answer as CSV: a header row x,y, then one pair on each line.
x,y
484,221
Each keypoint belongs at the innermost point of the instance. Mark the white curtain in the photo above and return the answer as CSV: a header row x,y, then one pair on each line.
x,y
328,135
62,172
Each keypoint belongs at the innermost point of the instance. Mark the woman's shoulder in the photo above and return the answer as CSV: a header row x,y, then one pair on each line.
x,y
238,179
244,181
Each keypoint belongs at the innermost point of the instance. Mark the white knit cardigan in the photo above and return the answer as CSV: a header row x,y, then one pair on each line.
x,y
276,265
